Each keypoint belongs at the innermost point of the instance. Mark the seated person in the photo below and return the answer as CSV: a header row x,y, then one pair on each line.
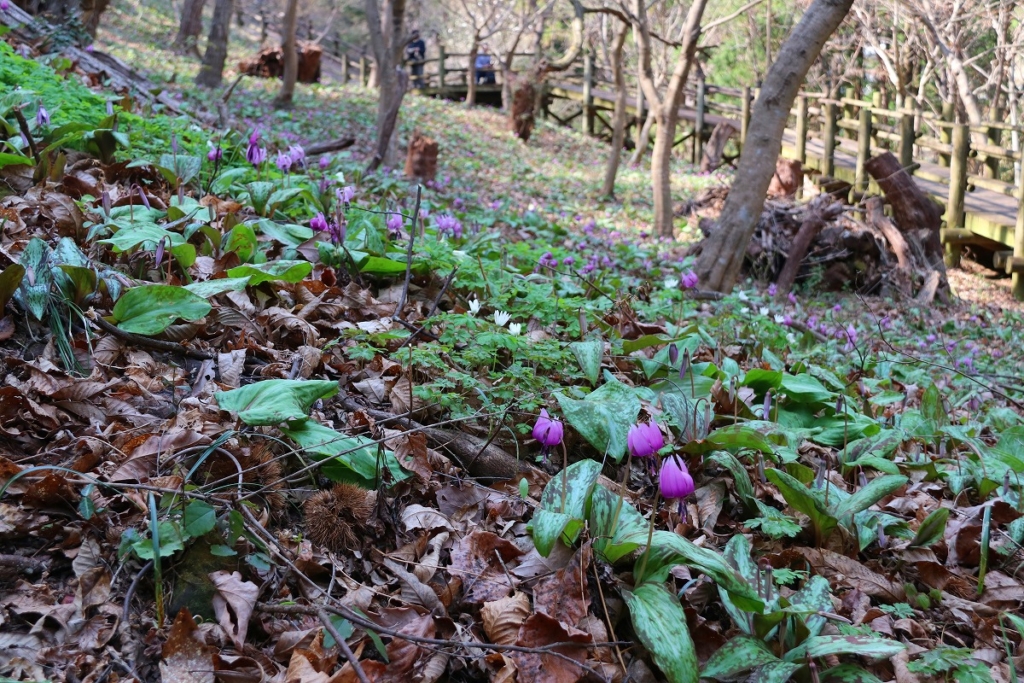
x,y
484,67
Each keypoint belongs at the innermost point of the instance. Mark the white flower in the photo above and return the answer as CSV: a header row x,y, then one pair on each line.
x,y
742,296
501,317
764,310
671,282
744,310
780,319
474,306
515,328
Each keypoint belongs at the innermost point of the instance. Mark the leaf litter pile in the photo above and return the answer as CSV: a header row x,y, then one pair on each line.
x,y
276,421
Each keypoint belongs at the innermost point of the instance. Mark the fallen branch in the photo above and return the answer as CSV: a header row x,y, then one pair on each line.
x,y
139,340
812,224
367,624
29,565
329,146
325,619
481,459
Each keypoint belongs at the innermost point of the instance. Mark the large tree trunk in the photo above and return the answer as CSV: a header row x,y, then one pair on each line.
x,y
666,110
291,57
190,27
722,257
212,71
618,115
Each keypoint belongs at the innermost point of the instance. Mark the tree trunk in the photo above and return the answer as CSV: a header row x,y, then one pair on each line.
x,y
643,139
191,26
719,263
666,110
386,33
291,57
618,115
212,71
474,48
526,87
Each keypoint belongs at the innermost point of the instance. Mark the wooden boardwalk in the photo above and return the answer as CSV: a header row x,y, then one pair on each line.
x,y
964,168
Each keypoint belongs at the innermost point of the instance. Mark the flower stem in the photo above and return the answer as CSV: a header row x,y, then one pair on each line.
x,y
650,533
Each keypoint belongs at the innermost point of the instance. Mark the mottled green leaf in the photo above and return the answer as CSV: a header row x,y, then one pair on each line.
x,y
932,528
553,519
741,654
802,500
351,459
660,623
615,536
604,417
867,496
865,646
588,355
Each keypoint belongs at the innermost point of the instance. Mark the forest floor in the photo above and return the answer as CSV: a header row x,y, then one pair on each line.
x,y
271,424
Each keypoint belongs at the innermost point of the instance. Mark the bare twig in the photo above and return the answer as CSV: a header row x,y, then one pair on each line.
x,y
139,340
325,619
408,253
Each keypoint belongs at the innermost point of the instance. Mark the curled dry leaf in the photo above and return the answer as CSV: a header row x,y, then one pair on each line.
x,y
843,570
540,630
233,604
503,618
564,595
185,659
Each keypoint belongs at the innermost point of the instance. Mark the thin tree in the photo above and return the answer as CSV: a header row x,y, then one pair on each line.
x,y
291,57
619,113
718,265
665,108
212,71
485,22
387,39
190,27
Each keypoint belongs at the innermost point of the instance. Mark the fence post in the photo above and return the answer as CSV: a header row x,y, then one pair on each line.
x,y
848,93
1018,246
744,116
344,68
994,136
588,93
440,67
801,128
828,162
957,190
364,72
946,134
907,136
698,123
876,102
860,183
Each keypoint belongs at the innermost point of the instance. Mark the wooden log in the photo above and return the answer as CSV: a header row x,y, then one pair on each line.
x,y
904,260
931,285
819,213
911,207
957,188
329,146
714,151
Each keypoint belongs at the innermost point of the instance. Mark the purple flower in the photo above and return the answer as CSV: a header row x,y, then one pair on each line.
x,y
297,156
346,194
787,320
675,480
772,288
448,225
284,162
568,261
792,298
325,161
548,260
546,431
495,205
394,224
644,439
688,279
255,154
458,203
4,5
42,116
319,223
967,363
337,231
837,308
215,154
930,338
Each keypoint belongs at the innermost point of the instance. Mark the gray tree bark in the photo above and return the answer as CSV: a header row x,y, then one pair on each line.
x,y
190,27
666,109
386,25
718,265
619,114
291,57
212,71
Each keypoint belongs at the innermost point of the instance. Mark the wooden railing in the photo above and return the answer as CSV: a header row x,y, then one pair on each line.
x,y
969,169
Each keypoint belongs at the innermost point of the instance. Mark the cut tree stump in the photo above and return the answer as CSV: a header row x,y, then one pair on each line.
x,y
269,63
789,176
421,160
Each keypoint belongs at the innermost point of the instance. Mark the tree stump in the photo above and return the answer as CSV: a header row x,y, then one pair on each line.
x,y
421,159
269,63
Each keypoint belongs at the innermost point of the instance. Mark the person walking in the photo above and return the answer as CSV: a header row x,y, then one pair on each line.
x,y
415,53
